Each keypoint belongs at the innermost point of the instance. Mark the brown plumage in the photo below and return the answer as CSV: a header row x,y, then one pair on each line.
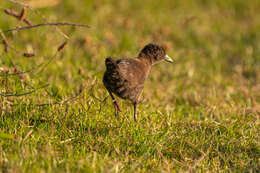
x,y
126,77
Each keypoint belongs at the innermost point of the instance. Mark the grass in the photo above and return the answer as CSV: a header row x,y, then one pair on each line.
x,y
199,114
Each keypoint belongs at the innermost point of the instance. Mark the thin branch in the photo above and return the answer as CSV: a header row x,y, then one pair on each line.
x,y
39,14
22,94
55,103
17,73
47,24
28,135
17,16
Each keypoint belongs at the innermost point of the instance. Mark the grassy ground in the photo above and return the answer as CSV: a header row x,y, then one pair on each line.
x,y
199,114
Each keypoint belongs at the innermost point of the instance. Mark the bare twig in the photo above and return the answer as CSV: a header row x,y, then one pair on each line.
x,y
55,103
47,24
18,16
22,94
39,14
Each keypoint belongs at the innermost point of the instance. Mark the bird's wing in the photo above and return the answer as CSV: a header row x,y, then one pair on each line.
x,y
130,70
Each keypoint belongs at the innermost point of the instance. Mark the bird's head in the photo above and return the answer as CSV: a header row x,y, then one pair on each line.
x,y
154,53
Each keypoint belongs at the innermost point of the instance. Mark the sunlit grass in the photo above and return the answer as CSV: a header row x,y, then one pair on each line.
x,y
199,114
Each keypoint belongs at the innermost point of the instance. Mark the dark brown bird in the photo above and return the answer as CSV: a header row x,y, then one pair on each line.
x,y
126,77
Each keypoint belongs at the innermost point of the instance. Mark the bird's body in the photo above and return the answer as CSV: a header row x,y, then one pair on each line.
x,y
126,77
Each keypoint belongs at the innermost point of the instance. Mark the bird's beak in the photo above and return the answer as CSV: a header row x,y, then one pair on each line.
x,y
168,59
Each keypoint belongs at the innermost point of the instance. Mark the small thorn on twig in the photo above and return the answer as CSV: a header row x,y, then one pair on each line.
x,y
23,14
28,54
62,46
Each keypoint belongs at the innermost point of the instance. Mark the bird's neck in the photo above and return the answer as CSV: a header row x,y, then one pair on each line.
x,y
145,60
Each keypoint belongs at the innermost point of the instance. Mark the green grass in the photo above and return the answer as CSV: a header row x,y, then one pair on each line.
x,y
199,114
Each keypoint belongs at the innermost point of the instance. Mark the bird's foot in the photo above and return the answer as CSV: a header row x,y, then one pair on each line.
x,y
117,108
135,117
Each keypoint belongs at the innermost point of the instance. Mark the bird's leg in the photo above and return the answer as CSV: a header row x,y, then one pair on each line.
x,y
135,116
117,109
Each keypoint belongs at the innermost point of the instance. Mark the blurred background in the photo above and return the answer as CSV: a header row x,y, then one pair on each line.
x,y
215,45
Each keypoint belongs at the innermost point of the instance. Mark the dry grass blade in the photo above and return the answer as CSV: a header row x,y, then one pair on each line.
x,y
67,140
193,167
28,135
23,94
48,24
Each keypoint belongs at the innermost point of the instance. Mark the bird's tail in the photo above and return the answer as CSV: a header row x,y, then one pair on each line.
x,y
110,63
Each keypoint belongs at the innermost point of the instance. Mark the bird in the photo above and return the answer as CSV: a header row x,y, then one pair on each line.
x,y
126,77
